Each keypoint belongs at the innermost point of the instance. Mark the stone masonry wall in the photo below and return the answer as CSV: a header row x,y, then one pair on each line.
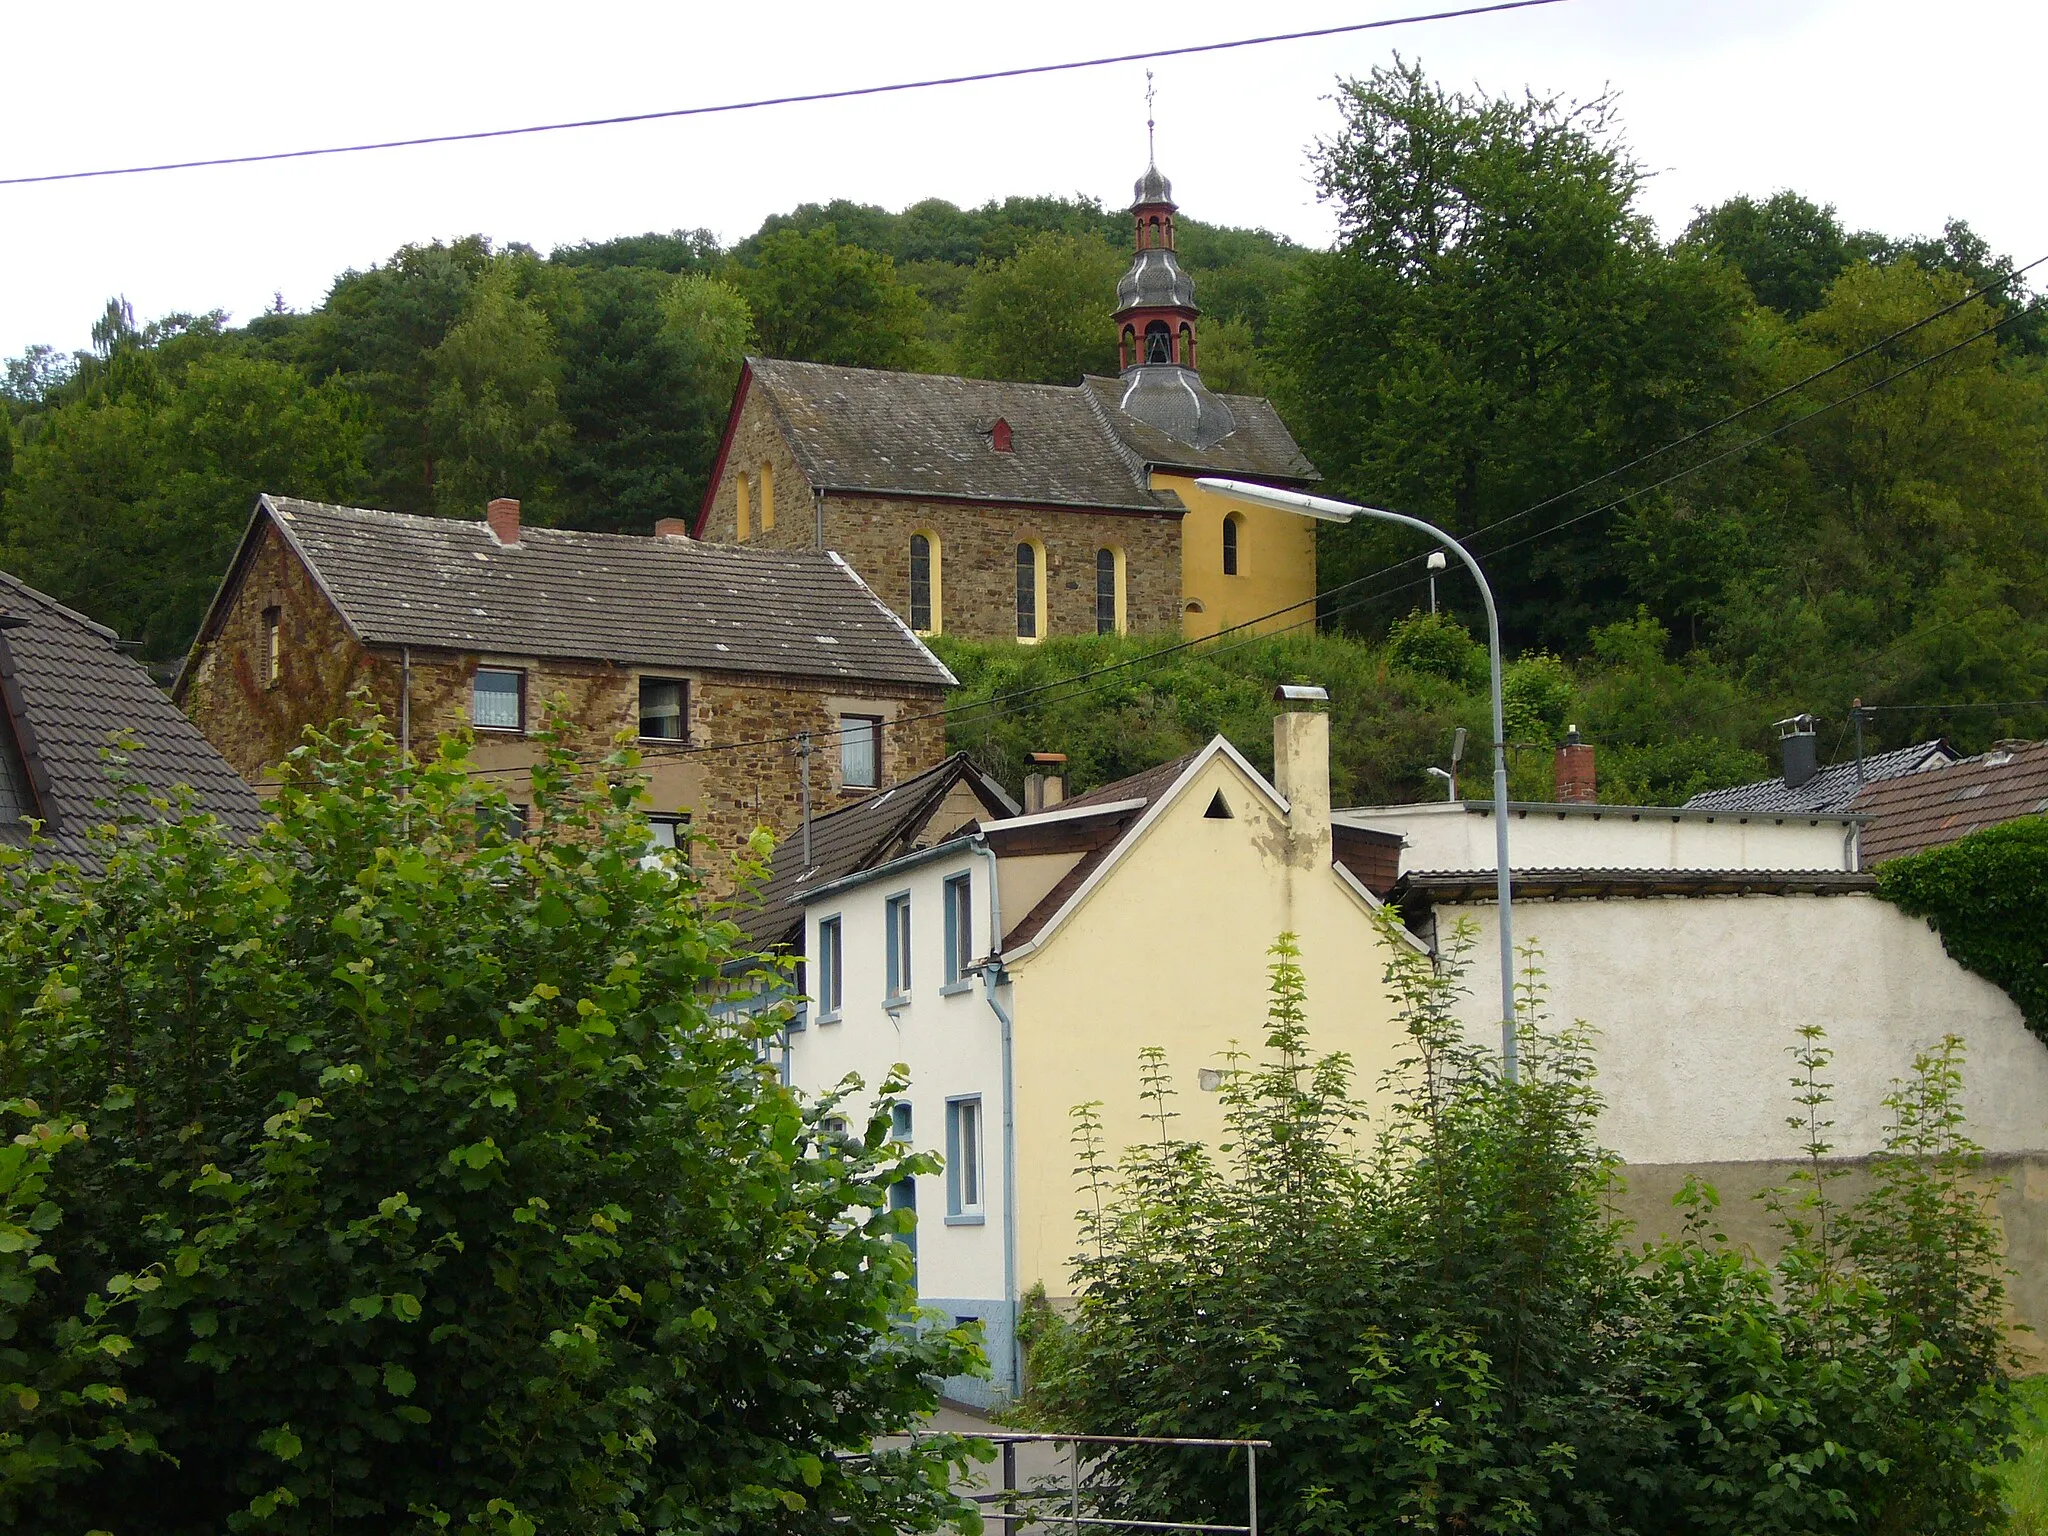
x,y
758,440
727,793
978,561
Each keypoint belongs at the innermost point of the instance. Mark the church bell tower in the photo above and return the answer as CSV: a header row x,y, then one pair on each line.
x,y
1155,320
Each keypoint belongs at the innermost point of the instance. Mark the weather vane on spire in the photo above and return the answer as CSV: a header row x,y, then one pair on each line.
x,y
1151,152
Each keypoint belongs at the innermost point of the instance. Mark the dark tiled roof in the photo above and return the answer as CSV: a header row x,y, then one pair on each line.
x,y
440,582
1422,889
920,434
1143,785
69,690
1831,789
860,836
1925,810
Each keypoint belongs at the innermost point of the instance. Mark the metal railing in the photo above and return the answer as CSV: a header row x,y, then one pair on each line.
x,y
1041,1509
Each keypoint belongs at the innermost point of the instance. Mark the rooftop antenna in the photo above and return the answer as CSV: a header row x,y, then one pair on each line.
x,y
1151,153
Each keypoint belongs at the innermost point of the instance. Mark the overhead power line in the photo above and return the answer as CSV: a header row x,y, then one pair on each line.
x,y
845,94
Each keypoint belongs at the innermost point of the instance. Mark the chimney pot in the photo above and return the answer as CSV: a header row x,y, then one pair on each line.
x,y
502,518
1576,784
1800,749
1044,790
671,528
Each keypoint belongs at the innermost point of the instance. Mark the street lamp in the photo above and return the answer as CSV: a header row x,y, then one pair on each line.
x,y
1343,512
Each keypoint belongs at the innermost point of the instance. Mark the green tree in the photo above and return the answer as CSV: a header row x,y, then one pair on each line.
x,y
1042,316
460,1207
1497,323
494,419
1788,249
819,300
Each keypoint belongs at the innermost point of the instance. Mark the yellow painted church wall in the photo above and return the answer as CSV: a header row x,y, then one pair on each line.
x,y
1276,569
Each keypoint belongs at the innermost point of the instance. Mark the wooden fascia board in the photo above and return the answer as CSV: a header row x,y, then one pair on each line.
x,y
732,426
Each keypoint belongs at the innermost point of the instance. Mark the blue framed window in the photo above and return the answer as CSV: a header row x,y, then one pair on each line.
x,y
964,1191
959,904
831,968
897,927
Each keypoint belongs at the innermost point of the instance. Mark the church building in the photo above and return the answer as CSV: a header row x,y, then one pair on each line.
x,y
994,510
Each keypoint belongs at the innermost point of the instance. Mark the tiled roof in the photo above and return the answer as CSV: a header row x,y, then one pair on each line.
x,y
921,434
1831,789
68,690
440,582
860,836
1925,810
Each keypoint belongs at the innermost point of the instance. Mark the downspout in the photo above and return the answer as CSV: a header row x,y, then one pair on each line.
x,y
404,703
991,976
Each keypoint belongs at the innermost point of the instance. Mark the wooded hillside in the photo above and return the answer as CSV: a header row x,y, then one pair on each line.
x,y
1499,341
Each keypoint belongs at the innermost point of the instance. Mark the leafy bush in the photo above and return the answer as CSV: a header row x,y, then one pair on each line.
x,y
1984,894
1437,644
1437,1327
441,1198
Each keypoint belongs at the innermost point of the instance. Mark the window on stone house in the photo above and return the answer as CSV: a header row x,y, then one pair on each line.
x,y
1109,591
273,646
666,833
742,509
925,580
860,751
1233,529
664,709
767,497
497,699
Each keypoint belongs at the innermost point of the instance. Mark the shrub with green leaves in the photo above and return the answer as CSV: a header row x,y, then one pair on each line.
x,y
436,1195
1438,1327
1985,895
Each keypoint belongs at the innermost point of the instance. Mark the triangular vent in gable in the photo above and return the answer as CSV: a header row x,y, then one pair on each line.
x,y
1219,808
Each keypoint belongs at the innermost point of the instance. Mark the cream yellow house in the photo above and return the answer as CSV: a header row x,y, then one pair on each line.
x,y
1017,970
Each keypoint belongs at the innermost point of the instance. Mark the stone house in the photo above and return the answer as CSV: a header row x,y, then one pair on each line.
x,y
1004,511
720,660
66,691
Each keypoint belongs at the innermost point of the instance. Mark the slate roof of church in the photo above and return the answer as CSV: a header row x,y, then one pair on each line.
x,y
68,690
922,434
447,583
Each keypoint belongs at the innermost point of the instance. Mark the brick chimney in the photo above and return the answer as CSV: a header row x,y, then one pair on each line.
x,y
1045,786
1575,782
1301,772
672,528
502,518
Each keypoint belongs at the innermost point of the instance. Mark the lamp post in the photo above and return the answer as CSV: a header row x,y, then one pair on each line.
x,y
1343,512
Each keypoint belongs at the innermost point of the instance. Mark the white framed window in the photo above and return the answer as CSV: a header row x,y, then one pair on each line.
x,y
664,709
964,1192
959,904
860,751
897,935
831,969
1109,591
497,699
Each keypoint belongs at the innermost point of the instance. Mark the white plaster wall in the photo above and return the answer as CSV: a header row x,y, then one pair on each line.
x,y
1696,1000
951,1044
1460,836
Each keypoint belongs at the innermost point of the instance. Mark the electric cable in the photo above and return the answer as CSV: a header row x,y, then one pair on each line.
x,y
844,94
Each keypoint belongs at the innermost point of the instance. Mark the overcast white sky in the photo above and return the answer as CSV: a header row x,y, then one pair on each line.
x,y
1900,112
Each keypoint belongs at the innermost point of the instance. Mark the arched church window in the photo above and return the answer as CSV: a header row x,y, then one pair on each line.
x,y
1232,531
1158,342
924,583
1030,591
